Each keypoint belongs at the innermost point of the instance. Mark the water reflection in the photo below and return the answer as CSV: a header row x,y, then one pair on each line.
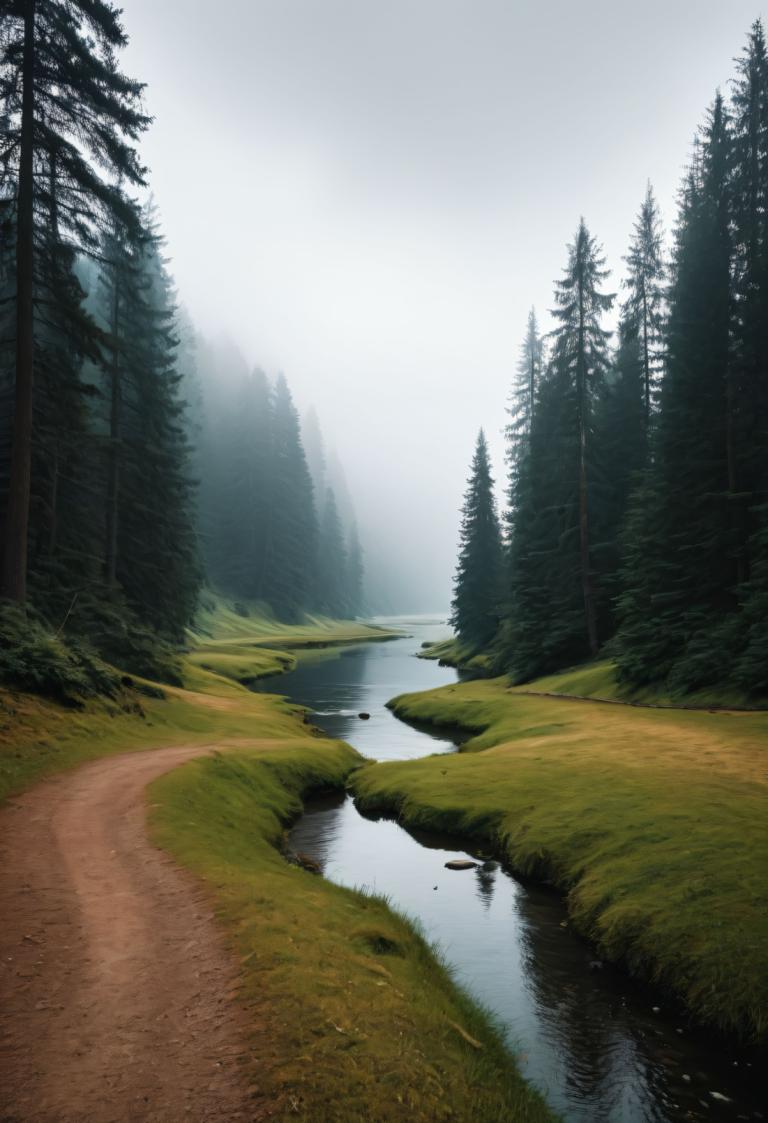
x,y
486,881
583,1033
363,680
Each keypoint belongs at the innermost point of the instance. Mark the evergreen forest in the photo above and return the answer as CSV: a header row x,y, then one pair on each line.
x,y
636,517
138,461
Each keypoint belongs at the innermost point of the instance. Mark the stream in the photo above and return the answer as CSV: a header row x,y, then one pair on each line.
x,y
600,1048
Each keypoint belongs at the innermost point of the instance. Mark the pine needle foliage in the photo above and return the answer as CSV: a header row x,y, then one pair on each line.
x,y
478,585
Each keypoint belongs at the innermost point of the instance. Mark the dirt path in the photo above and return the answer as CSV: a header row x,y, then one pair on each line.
x,y
117,996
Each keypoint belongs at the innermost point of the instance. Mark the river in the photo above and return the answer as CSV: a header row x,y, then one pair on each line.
x,y
599,1047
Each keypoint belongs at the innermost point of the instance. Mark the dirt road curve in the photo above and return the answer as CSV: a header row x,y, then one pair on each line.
x,y
116,993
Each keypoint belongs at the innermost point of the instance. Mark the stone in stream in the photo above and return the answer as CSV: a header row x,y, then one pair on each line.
x,y
364,716
460,864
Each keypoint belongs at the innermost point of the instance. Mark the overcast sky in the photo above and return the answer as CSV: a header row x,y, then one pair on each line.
x,y
371,195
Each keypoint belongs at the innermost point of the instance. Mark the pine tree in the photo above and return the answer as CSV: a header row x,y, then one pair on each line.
x,y
552,607
150,546
643,310
747,386
314,448
477,587
580,354
355,574
242,501
66,108
291,532
621,453
331,594
680,574
523,397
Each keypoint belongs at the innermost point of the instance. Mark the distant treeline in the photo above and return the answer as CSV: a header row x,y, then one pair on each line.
x,y
276,521
637,518
117,498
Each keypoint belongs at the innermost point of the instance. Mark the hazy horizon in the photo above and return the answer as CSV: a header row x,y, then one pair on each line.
x,y
370,199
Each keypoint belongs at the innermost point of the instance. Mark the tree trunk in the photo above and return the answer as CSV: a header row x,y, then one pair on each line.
x,y
646,361
734,505
53,249
113,467
531,391
586,572
17,515
587,586
53,523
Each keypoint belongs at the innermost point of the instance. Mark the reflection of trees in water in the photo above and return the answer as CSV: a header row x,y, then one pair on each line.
x,y
317,830
602,1061
333,683
486,882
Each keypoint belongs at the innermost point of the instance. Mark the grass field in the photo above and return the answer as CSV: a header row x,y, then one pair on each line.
x,y
654,821
353,1016
364,1022
247,645
39,737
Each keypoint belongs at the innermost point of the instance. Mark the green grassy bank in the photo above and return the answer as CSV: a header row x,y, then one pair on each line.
x,y
364,1023
655,823
39,737
244,643
353,1018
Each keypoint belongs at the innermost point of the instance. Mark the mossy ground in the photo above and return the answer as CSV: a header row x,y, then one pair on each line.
x,y
654,821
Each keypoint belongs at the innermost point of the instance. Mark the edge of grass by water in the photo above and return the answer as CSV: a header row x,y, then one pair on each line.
x,y
353,1015
654,823
365,1022
243,642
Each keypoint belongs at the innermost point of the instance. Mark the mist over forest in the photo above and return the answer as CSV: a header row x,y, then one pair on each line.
x,y
383,561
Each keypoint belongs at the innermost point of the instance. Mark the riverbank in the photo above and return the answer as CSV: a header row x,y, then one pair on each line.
x,y
39,736
239,642
652,821
364,1021
351,1016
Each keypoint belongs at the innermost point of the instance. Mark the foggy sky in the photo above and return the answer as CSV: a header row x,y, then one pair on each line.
x,y
370,195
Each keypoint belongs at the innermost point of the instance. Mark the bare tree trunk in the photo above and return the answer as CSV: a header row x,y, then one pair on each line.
x,y
53,524
734,511
17,515
586,571
113,467
587,585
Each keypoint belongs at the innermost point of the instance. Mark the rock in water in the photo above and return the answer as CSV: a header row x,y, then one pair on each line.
x,y
364,716
460,864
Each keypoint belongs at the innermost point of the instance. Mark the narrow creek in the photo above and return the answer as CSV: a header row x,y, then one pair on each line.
x,y
599,1047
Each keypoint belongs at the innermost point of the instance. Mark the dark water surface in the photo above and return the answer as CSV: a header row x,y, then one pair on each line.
x,y
584,1034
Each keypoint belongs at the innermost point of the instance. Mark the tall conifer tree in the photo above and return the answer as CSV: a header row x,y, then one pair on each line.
x,y
331,594
477,591
644,307
580,344
67,108
681,574
355,575
291,531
